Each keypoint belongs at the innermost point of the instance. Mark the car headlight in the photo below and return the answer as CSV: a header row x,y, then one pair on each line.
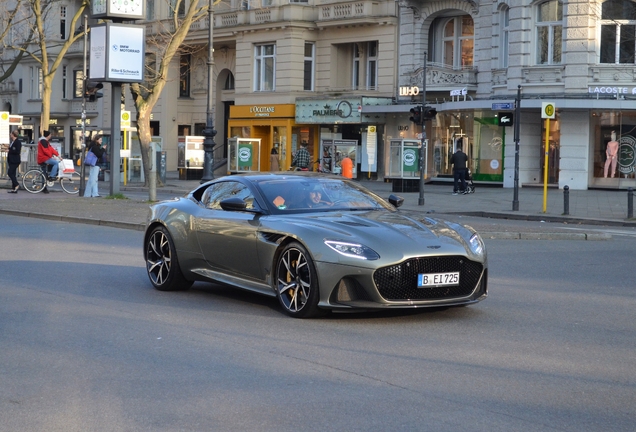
x,y
353,250
476,244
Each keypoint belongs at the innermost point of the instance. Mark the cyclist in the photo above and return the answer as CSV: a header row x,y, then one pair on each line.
x,y
302,158
48,155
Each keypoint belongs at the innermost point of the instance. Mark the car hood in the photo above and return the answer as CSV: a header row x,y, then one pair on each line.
x,y
412,232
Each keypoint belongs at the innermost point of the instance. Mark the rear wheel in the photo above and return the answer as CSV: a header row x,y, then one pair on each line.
x,y
162,263
71,184
33,181
296,282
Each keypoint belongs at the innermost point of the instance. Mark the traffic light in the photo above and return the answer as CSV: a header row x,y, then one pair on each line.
x,y
416,115
92,90
429,113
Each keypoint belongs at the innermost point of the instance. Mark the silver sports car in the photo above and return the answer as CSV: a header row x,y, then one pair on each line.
x,y
316,242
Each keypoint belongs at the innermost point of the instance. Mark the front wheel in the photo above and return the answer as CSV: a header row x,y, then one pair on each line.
x,y
162,263
71,185
33,181
296,282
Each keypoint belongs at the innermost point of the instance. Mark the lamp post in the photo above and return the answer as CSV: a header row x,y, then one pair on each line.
x,y
209,132
83,149
420,199
515,197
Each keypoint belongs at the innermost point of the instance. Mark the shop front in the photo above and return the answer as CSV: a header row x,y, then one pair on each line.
x,y
273,127
613,159
351,127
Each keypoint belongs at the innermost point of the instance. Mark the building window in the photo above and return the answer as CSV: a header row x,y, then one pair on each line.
x,y
150,10
618,32
505,32
308,75
64,76
184,75
458,42
264,67
229,82
549,32
355,79
35,83
62,22
372,65
173,7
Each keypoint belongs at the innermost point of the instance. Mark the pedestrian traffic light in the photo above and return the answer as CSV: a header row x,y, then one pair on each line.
x,y
92,90
429,113
416,115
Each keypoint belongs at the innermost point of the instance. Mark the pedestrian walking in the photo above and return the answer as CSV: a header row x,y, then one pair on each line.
x,y
93,171
13,160
459,160
302,157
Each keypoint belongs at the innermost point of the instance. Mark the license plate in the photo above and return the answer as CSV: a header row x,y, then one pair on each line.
x,y
437,279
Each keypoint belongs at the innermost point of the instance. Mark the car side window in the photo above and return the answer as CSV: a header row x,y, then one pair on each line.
x,y
217,192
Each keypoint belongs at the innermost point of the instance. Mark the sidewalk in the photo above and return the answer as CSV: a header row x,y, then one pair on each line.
x,y
591,207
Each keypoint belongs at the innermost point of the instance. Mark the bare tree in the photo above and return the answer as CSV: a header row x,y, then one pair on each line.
x,y
165,44
10,21
50,62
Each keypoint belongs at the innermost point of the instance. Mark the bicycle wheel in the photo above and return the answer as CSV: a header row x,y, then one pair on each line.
x,y
71,185
33,181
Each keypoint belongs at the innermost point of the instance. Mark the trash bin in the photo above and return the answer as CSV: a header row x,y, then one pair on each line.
x,y
161,166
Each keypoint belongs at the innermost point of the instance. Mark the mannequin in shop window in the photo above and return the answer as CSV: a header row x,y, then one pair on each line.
x,y
611,154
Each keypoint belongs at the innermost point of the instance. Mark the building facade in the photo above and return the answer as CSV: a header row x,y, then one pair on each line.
x,y
337,74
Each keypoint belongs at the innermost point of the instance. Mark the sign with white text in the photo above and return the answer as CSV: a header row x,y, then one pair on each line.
x,y
117,53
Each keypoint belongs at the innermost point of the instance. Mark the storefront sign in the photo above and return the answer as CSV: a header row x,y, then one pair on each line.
x,y
253,111
409,91
328,111
611,90
459,92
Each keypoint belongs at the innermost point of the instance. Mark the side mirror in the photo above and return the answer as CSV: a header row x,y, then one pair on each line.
x,y
236,204
396,201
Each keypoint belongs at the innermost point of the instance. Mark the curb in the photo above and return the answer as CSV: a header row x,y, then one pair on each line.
x,y
74,219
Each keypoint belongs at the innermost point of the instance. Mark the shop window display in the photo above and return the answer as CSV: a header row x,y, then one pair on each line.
x,y
614,147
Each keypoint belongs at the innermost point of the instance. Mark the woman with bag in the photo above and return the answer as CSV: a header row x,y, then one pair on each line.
x,y
96,149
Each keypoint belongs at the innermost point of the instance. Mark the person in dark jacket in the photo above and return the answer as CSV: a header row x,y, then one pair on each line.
x,y
13,160
93,173
459,160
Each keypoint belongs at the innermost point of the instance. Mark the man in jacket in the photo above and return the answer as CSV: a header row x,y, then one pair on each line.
x,y
47,154
459,160
13,160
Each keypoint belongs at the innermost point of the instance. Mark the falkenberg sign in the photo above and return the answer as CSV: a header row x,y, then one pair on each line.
x,y
117,53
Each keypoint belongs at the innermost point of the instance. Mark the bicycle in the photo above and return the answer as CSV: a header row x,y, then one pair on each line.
x,y
36,180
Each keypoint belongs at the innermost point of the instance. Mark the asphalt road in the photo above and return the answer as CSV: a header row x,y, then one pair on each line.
x,y
87,344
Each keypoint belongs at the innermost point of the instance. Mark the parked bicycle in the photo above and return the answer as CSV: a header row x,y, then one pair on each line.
x,y
36,179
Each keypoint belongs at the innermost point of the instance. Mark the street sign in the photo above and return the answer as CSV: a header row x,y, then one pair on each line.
x,y
506,119
548,110
502,106
459,92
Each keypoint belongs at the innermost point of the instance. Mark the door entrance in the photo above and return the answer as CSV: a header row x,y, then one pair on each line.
x,y
554,137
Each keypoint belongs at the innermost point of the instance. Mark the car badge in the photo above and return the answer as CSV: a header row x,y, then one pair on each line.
x,y
434,247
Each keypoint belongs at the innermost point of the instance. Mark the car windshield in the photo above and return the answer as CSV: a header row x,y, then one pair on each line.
x,y
303,195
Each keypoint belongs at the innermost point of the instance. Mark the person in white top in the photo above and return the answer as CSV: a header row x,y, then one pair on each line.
x,y
611,153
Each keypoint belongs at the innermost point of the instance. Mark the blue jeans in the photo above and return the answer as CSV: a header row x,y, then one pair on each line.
x,y
91,184
53,162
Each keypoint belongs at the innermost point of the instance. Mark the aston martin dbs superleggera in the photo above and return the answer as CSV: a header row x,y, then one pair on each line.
x,y
316,242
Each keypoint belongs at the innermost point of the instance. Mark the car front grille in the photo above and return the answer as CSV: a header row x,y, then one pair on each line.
x,y
399,282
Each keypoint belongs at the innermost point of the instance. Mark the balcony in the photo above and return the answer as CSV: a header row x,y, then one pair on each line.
x,y
440,77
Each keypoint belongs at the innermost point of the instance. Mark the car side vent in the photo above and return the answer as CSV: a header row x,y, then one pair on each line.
x,y
272,237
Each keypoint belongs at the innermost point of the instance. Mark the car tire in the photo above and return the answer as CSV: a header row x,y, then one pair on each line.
x,y
296,282
162,263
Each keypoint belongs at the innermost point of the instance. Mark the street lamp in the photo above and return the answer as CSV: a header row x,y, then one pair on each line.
x,y
209,132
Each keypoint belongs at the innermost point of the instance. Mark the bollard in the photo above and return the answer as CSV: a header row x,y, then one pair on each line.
x,y
566,200
630,203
